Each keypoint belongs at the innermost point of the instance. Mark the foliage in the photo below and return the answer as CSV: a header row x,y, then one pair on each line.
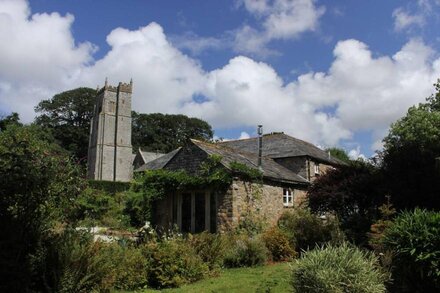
x,y
305,230
153,185
68,116
278,244
409,155
96,207
38,186
414,239
246,252
173,263
338,269
164,133
72,263
245,172
210,247
110,187
353,193
339,153
12,119
377,229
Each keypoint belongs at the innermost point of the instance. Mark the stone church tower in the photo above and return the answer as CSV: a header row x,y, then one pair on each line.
x,y
110,151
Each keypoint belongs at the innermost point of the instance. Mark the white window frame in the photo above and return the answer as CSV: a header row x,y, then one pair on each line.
x,y
287,197
316,168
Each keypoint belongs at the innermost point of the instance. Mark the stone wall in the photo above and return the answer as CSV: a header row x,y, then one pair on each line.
x,y
304,166
264,201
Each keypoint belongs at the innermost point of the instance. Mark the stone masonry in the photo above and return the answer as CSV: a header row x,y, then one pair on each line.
x,y
110,150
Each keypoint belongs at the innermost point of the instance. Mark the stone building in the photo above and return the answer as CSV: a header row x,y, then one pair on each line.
x,y
288,166
110,153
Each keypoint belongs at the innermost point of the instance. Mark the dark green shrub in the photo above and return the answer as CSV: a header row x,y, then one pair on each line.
x,y
71,262
305,230
337,269
173,263
414,238
246,252
129,266
278,244
210,247
110,187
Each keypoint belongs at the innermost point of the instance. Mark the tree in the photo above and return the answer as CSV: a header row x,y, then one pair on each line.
x,y
68,116
13,119
164,133
409,156
38,185
353,193
339,153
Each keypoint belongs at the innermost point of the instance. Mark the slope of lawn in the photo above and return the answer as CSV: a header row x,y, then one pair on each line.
x,y
270,278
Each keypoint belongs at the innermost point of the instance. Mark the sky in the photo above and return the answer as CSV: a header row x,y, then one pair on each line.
x,y
335,73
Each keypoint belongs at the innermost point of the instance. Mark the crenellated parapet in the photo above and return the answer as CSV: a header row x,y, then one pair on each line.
x,y
121,87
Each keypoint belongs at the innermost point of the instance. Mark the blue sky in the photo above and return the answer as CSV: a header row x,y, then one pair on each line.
x,y
335,73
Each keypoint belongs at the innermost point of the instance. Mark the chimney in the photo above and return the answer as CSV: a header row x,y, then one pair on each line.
x,y
260,145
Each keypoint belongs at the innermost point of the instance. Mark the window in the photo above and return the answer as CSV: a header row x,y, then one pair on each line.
x,y
287,197
316,169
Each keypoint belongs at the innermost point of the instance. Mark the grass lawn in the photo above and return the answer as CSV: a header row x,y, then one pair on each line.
x,y
270,278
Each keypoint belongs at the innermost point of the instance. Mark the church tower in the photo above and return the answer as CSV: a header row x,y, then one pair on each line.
x,y
110,151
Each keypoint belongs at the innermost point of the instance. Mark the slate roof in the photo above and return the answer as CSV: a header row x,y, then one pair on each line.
x,y
280,145
158,163
150,156
271,169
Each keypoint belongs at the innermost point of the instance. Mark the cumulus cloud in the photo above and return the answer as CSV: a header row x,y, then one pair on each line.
x,y
355,154
359,91
281,20
403,19
38,55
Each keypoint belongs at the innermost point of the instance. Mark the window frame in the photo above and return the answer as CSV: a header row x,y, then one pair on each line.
x,y
287,194
316,169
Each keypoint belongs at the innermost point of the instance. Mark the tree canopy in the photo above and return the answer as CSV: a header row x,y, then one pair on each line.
x,y
164,132
409,156
68,116
339,153
12,119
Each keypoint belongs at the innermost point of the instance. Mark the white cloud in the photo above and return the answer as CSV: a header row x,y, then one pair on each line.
x,y
197,44
355,154
364,92
244,135
281,20
403,19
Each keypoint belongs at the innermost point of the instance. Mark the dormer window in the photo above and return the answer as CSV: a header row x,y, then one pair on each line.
x,y
287,197
316,169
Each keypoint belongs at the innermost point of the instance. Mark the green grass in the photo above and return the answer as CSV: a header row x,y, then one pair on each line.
x,y
270,278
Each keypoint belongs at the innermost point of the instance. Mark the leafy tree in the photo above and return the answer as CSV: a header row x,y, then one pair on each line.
x,y
68,116
410,150
13,119
164,133
339,153
37,187
352,192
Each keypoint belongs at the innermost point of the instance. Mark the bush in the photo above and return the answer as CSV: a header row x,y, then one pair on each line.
x,y
305,230
278,244
414,239
173,263
210,247
246,252
110,187
338,269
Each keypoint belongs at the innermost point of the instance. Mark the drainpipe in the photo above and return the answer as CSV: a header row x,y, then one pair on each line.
x,y
260,145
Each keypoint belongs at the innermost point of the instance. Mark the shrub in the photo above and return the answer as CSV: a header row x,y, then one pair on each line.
x,y
278,244
246,252
110,187
305,230
173,263
338,269
210,247
414,239
129,266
